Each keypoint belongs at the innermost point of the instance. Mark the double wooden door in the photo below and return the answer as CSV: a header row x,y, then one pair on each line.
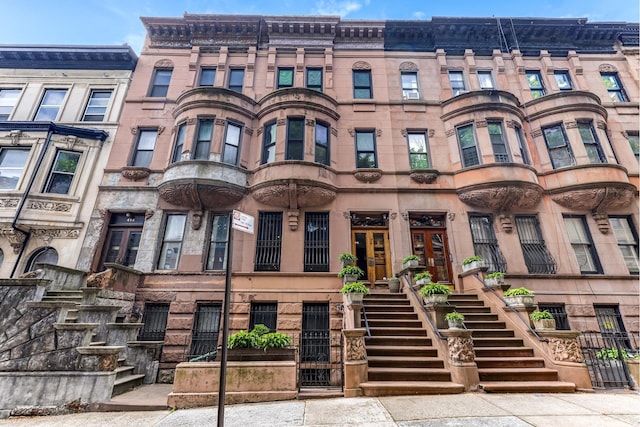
x,y
431,246
372,249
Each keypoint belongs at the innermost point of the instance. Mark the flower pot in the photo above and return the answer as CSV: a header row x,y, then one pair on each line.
x,y
519,300
355,297
394,285
423,282
494,282
349,278
471,266
435,299
410,263
456,324
544,324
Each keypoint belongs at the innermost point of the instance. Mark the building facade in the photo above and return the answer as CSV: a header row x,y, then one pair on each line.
x,y
59,111
514,139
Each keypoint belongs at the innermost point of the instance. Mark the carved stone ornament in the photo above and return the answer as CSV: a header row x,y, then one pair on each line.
x,y
163,63
148,213
425,176
15,238
7,202
196,220
566,350
135,173
378,132
607,68
293,215
193,195
367,175
354,345
292,195
601,199
49,234
506,223
361,65
499,197
103,214
602,221
408,66
49,206
102,280
15,136
461,349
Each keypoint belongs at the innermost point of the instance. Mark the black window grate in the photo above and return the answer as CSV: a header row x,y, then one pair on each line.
x,y
265,313
559,314
536,255
206,329
485,244
316,241
154,322
269,241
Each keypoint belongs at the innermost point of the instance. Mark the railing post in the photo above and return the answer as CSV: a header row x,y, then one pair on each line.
x,y
462,360
356,365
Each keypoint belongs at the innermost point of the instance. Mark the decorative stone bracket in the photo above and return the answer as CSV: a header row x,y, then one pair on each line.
x,y
135,173
367,175
424,176
15,237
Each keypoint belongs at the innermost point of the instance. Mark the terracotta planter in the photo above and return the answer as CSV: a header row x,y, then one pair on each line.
x,y
519,300
435,299
544,324
394,286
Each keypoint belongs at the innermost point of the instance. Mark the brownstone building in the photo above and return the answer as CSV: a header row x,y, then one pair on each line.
x,y
512,139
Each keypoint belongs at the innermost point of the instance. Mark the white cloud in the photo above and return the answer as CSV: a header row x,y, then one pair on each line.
x,y
419,15
340,8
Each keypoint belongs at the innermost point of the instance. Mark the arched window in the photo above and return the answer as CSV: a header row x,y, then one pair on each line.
x,y
42,256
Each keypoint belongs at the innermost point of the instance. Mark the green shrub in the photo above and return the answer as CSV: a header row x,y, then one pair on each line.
x,y
260,329
423,275
495,275
355,287
471,259
274,340
517,292
539,315
243,339
347,257
454,315
351,269
259,337
610,353
410,258
433,289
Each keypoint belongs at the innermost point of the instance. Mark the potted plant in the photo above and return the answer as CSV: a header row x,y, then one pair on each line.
x,y
350,273
423,278
471,263
434,293
410,261
610,361
543,320
455,320
347,258
394,285
495,279
518,297
355,292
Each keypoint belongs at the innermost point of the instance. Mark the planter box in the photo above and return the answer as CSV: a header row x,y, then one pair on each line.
x,y
355,297
258,354
494,282
423,282
544,324
349,278
520,300
410,264
435,299
472,266
456,324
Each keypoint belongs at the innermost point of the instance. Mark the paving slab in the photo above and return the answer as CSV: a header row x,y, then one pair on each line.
x,y
575,421
407,408
92,419
508,421
607,403
346,411
536,404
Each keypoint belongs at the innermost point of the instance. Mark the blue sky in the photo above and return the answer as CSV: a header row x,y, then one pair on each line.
x,y
117,21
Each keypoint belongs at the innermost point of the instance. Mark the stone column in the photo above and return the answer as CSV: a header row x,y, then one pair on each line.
x,y
462,359
356,366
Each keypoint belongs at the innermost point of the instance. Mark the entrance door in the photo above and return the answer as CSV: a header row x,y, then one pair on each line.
x,y
372,249
431,247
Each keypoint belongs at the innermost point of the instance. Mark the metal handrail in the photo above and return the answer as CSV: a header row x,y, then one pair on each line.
x,y
527,324
424,310
366,322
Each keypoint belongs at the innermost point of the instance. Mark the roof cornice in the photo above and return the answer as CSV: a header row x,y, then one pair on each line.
x,y
68,57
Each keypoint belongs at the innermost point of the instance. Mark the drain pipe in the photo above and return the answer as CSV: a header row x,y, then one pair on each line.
x,y
23,200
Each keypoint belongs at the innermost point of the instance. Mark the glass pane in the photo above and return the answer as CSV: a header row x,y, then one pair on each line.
x,y
321,154
593,154
622,230
534,80
486,82
169,256
230,154
53,97
322,134
8,97
364,141
236,77
163,77
467,139
143,158
635,144
576,231
314,77
455,77
296,130
563,81
366,160
586,133
362,93
285,78
271,154
59,183
147,140
560,157
417,143
207,76
295,150
47,113
610,81
271,133
132,248
113,249
554,137
233,134
419,161
205,130
409,81
583,256
217,256
13,158
220,228
362,79
175,227
439,257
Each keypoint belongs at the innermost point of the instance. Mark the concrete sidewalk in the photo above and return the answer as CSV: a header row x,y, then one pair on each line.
x,y
469,409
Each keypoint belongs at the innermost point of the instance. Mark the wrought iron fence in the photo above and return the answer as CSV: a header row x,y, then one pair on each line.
x,y
605,356
320,359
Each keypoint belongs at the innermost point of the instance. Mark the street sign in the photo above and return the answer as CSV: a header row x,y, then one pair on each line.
x,y
242,222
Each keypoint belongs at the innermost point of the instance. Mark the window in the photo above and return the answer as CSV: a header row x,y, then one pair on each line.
x,y
269,143
285,77
322,143
614,87
160,83
635,145
485,244
534,79
627,239
231,149
558,146
456,78
207,77
295,139
268,242
582,245
410,85
362,84
203,139
563,80
316,241
468,146
177,148
591,143
418,150
314,78
62,173
522,145
144,148
486,80
366,149
236,79
217,254
50,104
611,325
12,161
97,106
206,328
534,249
8,99
265,313
500,152
154,321
559,314
172,242
42,256
123,239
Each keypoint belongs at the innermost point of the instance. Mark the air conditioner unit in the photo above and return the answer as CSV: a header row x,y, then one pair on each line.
x,y
412,95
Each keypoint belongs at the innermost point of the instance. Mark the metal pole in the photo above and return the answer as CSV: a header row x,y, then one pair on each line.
x,y
225,330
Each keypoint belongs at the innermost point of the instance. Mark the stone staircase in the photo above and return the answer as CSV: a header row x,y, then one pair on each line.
x,y
402,359
504,363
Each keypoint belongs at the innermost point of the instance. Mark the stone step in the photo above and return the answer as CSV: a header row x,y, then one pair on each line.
x,y
388,308
123,371
472,310
379,301
464,297
495,324
127,383
385,295
486,333
504,362
408,374
385,315
504,352
404,362
399,331
394,323
400,351
478,317
397,340
465,303
517,374
497,342
319,393
527,387
399,388
97,343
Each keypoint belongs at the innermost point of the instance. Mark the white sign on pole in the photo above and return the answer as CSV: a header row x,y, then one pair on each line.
x,y
242,222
